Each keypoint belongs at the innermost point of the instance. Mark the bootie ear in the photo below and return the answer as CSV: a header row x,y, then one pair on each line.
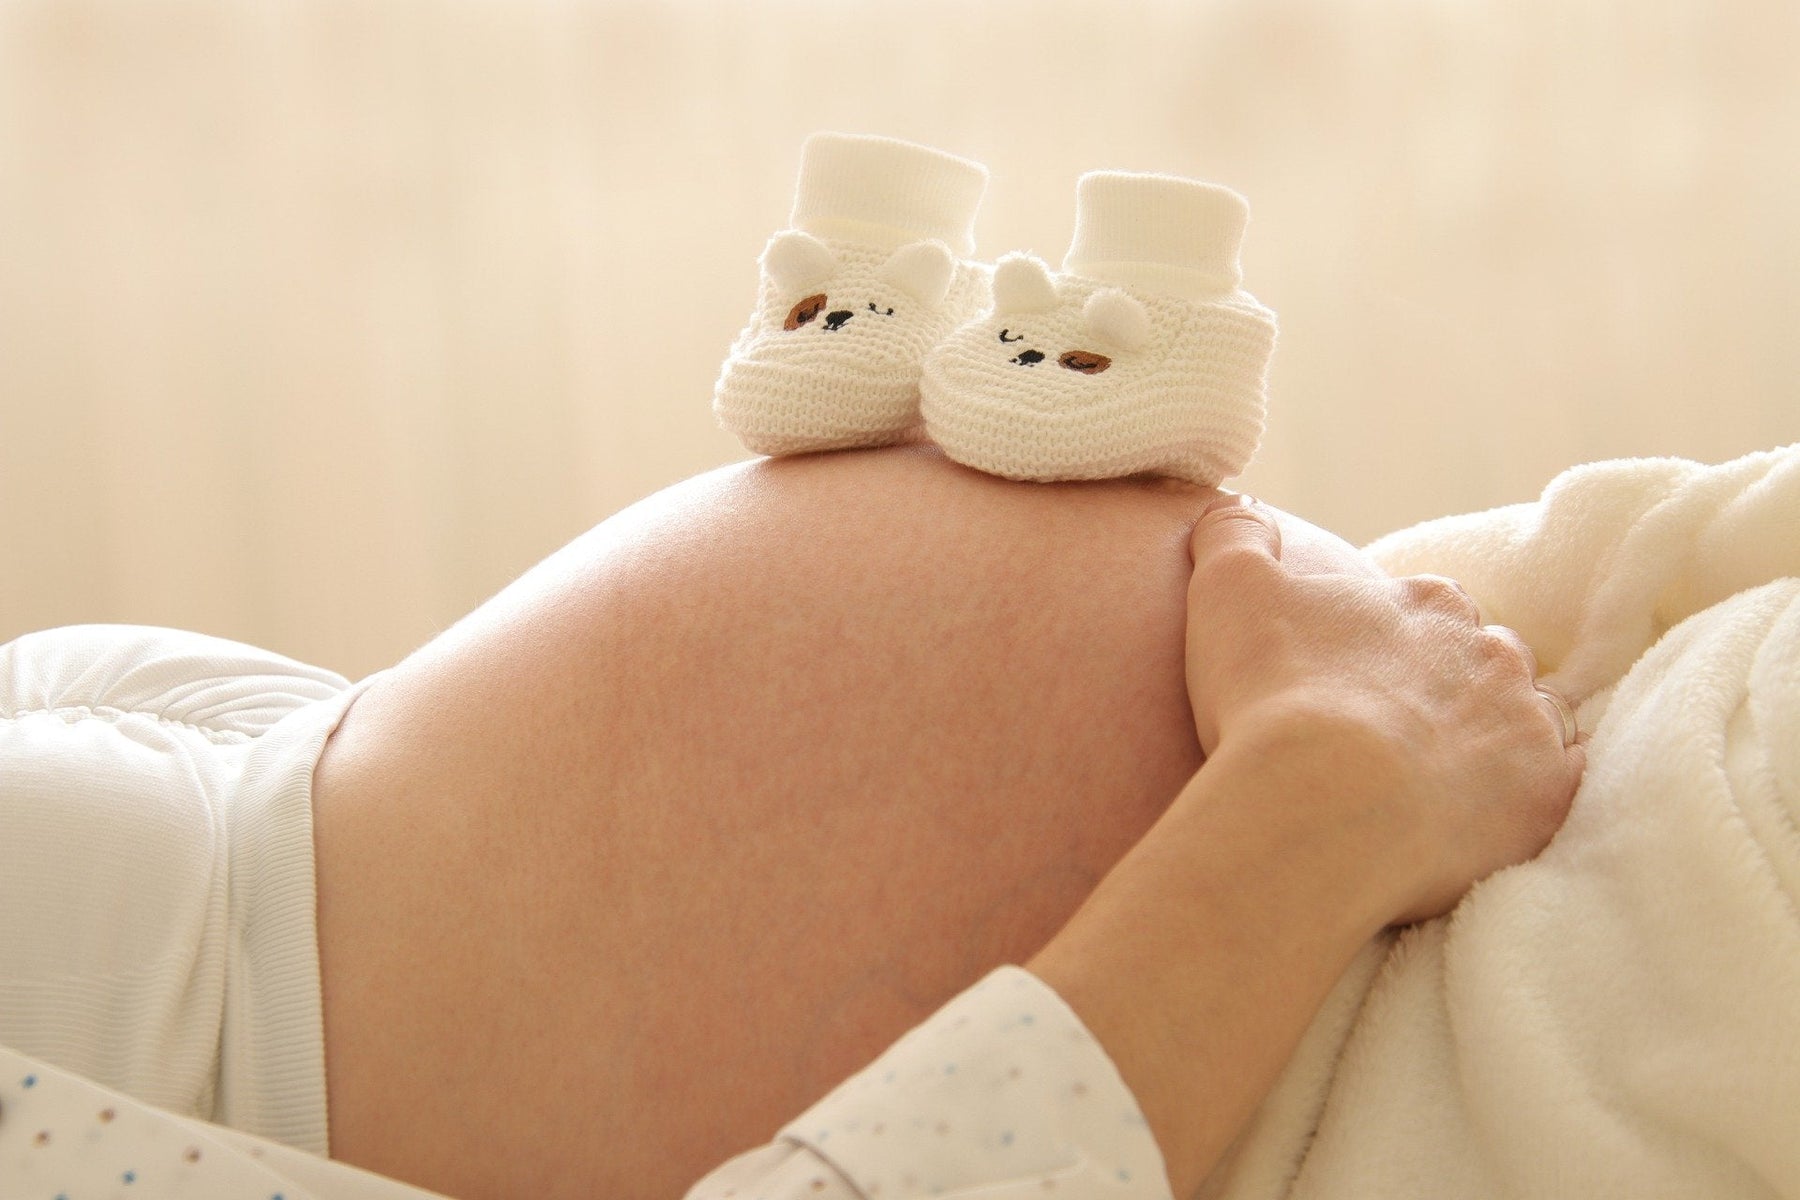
x,y
797,261
1118,318
1022,285
922,270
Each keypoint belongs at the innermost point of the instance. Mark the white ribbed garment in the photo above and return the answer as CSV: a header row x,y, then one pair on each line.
x,y
157,915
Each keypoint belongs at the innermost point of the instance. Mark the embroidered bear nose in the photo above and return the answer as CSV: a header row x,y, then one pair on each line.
x,y
1030,358
836,321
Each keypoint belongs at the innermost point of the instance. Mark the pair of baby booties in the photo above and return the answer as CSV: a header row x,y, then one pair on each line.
x,y
1143,355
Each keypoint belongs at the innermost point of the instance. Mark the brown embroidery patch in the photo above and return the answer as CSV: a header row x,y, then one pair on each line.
x,y
805,312
1085,361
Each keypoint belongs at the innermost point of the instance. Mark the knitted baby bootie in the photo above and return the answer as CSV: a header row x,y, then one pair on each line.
x,y
872,274
1143,355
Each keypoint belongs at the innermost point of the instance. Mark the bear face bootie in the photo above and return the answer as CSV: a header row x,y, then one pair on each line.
x,y
1143,356
872,274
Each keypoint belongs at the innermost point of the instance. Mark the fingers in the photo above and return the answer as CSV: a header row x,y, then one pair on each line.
x,y
1555,706
1511,639
1236,548
1443,594
1231,525
1448,596
1576,756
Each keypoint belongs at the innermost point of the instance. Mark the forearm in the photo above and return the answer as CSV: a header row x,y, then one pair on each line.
x,y
1202,958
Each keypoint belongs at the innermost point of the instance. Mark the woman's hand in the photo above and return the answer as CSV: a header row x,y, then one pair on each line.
x,y
1372,752
1423,726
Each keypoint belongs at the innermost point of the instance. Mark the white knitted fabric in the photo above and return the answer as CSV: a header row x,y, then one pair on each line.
x,y
872,274
1143,356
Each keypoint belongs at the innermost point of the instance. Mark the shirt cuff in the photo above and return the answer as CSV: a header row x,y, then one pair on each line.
x,y
1002,1091
777,1171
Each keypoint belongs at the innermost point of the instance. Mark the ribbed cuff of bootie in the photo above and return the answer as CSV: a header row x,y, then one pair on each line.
x,y
1160,233
885,192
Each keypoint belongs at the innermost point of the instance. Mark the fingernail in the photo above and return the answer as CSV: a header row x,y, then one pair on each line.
x,y
1226,504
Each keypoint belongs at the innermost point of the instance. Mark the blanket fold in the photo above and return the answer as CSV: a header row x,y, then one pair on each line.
x,y
1621,1015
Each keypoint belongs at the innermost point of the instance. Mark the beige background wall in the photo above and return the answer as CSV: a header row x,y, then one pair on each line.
x,y
321,320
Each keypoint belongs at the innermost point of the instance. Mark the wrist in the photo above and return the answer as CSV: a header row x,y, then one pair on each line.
x,y
1326,785
1201,959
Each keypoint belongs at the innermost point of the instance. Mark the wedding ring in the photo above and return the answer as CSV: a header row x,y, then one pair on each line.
x,y
1564,714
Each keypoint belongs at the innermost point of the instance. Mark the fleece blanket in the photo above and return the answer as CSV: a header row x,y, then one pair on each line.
x,y
1621,1015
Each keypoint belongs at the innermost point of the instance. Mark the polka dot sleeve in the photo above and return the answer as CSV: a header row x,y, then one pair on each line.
x,y
1003,1092
63,1137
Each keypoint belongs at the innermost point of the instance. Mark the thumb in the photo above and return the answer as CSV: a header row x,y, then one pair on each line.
x,y
1233,524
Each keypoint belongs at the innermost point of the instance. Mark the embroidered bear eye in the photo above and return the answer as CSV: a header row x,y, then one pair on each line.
x,y
1084,361
805,312
1016,337
878,312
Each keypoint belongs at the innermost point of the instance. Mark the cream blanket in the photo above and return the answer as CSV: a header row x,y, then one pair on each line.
x,y
1620,1016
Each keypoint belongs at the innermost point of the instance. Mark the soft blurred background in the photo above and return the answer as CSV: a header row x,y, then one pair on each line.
x,y
320,320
